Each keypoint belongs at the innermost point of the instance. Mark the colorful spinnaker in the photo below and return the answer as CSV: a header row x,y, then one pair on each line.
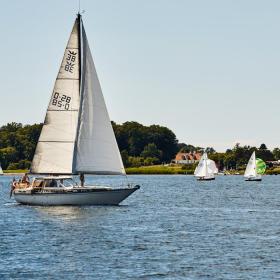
x,y
261,166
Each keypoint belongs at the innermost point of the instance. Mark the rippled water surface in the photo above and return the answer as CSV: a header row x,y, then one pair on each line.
x,y
172,228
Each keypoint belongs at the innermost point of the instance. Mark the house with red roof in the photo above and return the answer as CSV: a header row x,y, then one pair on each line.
x,y
187,158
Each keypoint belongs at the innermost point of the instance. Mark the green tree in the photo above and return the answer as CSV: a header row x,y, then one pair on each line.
x,y
210,150
134,137
151,161
276,153
151,151
262,147
125,156
7,155
264,153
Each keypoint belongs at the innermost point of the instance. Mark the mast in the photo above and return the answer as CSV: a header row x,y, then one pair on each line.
x,y
206,167
79,19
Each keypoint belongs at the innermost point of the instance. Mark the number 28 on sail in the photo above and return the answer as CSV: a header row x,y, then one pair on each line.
x,y
76,138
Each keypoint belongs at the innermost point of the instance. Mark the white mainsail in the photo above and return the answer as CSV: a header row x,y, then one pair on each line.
x,y
251,168
77,136
54,151
1,170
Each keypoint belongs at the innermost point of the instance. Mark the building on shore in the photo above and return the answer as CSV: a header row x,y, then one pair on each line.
x,y
187,158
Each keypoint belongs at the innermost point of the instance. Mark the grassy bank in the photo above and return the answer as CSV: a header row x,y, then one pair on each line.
x,y
158,169
15,171
177,169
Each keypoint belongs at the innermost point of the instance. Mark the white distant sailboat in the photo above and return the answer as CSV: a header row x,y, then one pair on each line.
x,y
254,169
206,169
76,138
1,171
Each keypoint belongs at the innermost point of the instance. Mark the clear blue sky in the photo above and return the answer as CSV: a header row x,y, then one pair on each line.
x,y
208,70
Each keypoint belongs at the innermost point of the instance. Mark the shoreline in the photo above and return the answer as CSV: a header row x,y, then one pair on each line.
x,y
158,170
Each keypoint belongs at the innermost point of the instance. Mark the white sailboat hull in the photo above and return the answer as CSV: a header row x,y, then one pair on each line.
x,y
85,197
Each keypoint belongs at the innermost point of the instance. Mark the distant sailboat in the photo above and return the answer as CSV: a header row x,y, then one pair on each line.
x,y
1,171
255,168
206,169
77,137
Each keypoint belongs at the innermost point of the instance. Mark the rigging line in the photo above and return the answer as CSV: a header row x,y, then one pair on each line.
x,y
127,181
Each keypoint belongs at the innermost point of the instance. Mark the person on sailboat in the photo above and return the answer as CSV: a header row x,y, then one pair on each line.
x,y
82,179
53,184
13,186
25,179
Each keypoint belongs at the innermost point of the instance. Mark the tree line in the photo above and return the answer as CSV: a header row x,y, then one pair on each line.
x,y
139,145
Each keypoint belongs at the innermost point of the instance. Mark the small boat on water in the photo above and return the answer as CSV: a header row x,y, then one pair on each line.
x,y
206,169
1,171
77,137
254,169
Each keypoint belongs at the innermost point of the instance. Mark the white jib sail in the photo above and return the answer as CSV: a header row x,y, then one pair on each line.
x,y
96,150
54,151
251,170
212,168
1,170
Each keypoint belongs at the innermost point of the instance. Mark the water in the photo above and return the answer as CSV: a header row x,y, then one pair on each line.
x,y
172,228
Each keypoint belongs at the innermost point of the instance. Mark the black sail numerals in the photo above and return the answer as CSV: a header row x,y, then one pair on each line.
x,y
61,101
70,61
67,104
55,97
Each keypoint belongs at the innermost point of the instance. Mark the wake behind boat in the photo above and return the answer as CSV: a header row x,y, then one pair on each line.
x,y
77,137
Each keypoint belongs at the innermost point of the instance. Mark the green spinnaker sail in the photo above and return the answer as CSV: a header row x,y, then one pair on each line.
x,y
261,166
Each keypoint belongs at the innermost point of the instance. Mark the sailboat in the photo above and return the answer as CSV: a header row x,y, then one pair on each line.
x,y
205,169
76,138
1,170
254,169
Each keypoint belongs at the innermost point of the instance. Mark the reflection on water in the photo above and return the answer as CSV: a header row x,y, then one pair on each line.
x,y
70,213
62,213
